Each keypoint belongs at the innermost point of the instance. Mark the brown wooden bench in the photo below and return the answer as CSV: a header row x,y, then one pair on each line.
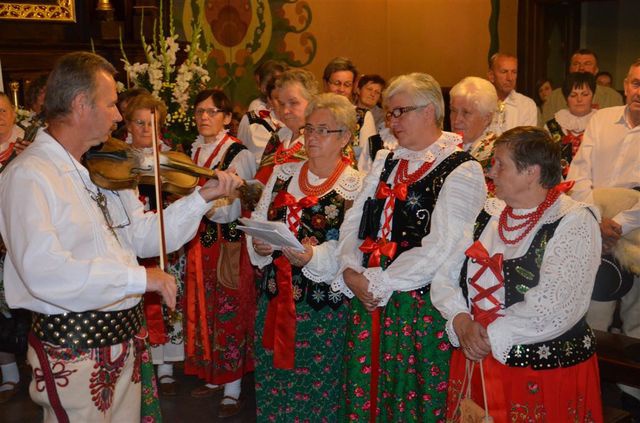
x,y
618,358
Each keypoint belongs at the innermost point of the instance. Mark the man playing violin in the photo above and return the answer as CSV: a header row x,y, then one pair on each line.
x,y
72,250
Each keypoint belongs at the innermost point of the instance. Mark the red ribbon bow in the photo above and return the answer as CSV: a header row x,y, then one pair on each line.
x,y
264,114
284,199
574,140
398,191
481,256
377,249
565,186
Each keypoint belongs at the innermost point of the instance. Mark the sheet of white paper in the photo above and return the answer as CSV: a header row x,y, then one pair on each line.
x,y
275,233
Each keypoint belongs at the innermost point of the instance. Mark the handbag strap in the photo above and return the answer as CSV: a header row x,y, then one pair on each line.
x,y
466,384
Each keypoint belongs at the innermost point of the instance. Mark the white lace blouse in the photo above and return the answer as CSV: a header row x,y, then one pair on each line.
x,y
562,296
323,265
442,250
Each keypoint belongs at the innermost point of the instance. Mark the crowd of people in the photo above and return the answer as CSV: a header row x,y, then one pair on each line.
x,y
436,269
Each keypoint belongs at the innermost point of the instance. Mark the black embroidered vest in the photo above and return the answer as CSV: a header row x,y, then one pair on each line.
x,y
229,231
319,223
566,150
520,275
255,119
360,114
411,217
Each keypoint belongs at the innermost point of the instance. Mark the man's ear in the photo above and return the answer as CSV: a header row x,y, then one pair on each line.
x,y
80,102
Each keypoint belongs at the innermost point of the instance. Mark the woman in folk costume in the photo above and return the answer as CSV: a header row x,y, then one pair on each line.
x,y
9,131
473,102
296,87
519,304
568,125
219,286
164,325
301,321
10,319
410,217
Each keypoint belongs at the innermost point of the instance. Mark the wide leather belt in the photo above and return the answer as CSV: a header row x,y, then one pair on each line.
x,y
89,329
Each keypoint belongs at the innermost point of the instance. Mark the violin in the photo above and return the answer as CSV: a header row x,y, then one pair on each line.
x,y
117,166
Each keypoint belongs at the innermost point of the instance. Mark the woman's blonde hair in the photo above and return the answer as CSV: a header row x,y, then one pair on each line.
x,y
340,108
146,101
306,79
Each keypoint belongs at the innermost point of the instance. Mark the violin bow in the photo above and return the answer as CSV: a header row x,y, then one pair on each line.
x,y
158,189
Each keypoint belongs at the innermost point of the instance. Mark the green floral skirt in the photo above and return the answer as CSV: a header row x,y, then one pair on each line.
x,y
413,361
310,392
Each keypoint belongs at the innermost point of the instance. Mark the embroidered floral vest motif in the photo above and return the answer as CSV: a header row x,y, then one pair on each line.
x,y
229,231
360,114
566,153
255,119
318,224
520,275
412,217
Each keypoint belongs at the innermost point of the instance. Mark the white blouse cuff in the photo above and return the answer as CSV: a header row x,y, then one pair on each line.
x,y
256,259
501,341
451,333
378,285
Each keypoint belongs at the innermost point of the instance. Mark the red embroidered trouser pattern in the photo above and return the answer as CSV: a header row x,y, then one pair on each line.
x,y
88,391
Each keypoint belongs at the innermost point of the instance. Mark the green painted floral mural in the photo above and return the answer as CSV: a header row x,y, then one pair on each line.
x,y
239,34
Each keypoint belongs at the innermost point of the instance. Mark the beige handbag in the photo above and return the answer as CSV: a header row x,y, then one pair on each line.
x,y
467,410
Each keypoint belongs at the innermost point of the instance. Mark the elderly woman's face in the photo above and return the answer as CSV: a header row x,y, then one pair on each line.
x,y
292,106
467,120
326,147
140,128
210,119
409,128
369,95
509,182
579,100
7,117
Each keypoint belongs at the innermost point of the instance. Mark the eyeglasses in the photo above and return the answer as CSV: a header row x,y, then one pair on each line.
x,y
210,112
320,131
141,123
399,111
346,84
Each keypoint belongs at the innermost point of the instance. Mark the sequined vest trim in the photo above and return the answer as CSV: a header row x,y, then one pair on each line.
x,y
229,232
412,217
318,223
566,153
520,275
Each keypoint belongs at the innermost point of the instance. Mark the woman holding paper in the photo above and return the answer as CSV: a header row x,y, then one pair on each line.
x,y
301,322
219,289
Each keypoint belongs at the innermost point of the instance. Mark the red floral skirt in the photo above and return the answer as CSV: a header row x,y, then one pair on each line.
x,y
521,394
219,320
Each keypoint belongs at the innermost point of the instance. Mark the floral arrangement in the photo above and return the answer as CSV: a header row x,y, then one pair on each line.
x,y
176,85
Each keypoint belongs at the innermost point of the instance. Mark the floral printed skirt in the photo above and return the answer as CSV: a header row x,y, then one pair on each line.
x,y
521,394
310,392
219,320
411,359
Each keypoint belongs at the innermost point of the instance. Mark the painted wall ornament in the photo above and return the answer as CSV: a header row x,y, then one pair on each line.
x,y
239,34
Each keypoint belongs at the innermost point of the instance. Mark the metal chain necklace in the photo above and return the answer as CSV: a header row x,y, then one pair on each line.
x,y
98,197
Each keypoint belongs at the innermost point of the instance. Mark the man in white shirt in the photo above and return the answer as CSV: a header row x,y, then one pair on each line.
x,y
609,156
583,60
71,253
514,109
339,77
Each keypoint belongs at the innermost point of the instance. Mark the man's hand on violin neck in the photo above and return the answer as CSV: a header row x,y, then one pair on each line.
x,y
164,284
226,185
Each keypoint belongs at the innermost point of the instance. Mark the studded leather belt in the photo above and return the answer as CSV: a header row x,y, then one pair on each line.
x,y
89,329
